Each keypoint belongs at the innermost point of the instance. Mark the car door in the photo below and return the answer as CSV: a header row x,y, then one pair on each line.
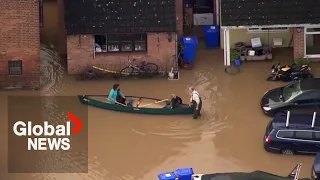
x,y
304,142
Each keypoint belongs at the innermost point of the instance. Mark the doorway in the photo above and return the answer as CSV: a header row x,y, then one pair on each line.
x,y
312,42
198,13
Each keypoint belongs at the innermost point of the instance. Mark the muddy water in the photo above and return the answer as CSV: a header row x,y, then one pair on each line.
x,y
227,138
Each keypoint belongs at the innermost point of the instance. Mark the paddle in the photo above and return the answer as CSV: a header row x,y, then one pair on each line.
x,y
153,103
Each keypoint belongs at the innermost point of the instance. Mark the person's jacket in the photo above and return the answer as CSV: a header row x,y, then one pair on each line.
x,y
175,102
113,95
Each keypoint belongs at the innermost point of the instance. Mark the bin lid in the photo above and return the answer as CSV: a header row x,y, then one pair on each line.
x,y
167,176
212,28
190,40
184,172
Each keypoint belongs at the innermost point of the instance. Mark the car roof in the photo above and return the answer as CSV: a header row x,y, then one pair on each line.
x,y
310,84
256,175
296,121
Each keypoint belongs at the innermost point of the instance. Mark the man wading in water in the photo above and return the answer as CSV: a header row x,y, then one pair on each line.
x,y
195,102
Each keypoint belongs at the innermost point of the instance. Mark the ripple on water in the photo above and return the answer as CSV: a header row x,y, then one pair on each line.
x,y
51,71
210,123
55,160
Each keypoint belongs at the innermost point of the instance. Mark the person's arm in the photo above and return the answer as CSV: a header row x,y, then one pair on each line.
x,y
112,96
120,93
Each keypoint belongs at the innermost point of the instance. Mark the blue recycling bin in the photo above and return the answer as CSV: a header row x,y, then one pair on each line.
x,y
189,48
184,173
212,35
237,62
167,176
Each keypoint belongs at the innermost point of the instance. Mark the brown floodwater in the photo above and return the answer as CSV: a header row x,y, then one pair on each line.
x,y
227,138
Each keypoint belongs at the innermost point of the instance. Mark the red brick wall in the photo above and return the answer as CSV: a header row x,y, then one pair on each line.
x,y
298,43
80,49
179,12
19,39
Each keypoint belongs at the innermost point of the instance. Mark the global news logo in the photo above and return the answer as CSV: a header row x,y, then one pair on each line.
x,y
47,136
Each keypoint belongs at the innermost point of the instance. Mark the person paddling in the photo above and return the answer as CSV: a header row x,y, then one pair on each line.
x,y
195,102
115,95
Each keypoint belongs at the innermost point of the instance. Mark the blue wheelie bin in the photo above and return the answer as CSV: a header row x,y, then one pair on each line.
x,y
167,176
212,36
189,48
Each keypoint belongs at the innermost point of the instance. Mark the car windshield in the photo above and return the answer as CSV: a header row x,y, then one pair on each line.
x,y
291,91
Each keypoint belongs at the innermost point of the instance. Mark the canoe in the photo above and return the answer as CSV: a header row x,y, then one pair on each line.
x,y
100,101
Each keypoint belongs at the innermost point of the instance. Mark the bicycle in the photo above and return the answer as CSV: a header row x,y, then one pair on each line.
x,y
144,68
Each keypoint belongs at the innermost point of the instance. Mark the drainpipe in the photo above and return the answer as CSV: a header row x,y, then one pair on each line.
x,y
217,5
176,55
226,43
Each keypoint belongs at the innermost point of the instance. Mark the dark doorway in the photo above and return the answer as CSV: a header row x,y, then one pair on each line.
x,y
191,7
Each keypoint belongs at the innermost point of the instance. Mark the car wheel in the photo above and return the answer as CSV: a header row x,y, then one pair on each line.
x,y
287,152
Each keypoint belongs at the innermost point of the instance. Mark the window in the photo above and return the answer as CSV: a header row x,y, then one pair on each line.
x,y
309,97
312,42
41,13
303,135
285,134
262,30
317,136
120,43
15,67
291,91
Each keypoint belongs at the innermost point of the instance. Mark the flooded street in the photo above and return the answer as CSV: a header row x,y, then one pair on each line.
x,y
228,137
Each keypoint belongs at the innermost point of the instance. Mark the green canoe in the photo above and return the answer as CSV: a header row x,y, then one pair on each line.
x,y
146,105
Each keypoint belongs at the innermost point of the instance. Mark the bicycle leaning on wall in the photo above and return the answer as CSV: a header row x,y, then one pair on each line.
x,y
143,69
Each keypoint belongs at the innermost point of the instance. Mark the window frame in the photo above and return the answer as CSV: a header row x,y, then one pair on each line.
x,y
301,140
305,41
15,65
122,42
266,29
283,137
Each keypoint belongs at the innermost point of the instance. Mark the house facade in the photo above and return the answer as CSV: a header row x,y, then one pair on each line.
x,y
105,33
295,22
19,44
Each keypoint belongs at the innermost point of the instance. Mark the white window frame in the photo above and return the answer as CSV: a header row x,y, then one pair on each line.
x,y
305,41
267,29
293,139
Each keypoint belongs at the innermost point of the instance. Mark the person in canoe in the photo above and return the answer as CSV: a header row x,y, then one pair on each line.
x,y
195,102
176,101
115,95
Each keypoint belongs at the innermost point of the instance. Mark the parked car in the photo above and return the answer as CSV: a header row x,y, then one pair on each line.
x,y
300,96
256,175
315,169
293,134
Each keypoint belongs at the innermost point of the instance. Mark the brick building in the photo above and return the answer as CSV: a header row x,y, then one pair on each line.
x,y
105,34
296,22
19,43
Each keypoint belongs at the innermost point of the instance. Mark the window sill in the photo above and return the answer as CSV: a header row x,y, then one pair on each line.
x,y
15,75
121,52
312,56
